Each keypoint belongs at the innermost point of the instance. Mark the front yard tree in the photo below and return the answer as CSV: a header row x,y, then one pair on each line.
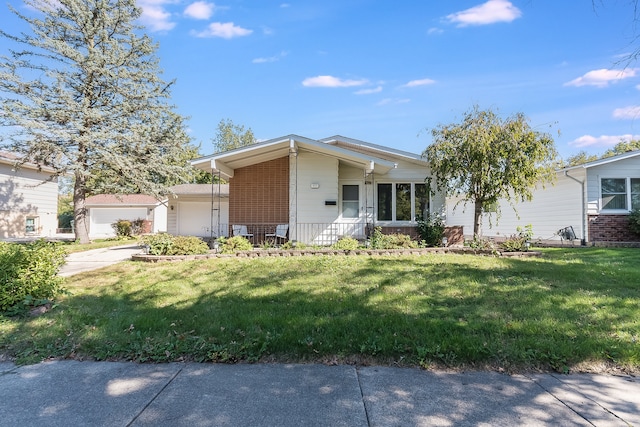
x,y
82,93
485,158
230,136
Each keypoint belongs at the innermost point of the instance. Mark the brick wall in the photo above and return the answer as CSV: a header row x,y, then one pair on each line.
x,y
259,194
611,228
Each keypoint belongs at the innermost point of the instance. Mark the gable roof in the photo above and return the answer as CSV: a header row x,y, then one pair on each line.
x,y
225,163
606,160
380,150
121,200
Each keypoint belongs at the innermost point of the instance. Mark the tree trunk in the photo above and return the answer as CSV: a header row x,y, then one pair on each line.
x,y
80,210
477,219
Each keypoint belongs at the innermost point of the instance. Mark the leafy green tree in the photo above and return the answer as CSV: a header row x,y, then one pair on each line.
x,y
621,148
230,136
82,93
485,158
580,158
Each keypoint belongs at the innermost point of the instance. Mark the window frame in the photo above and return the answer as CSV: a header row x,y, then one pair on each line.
x,y
394,199
342,201
31,228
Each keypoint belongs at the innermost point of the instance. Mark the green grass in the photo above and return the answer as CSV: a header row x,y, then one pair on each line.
x,y
575,309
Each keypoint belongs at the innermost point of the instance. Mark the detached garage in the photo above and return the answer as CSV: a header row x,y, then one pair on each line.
x,y
106,209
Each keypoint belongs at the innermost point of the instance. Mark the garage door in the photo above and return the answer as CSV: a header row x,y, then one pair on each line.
x,y
194,219
102,218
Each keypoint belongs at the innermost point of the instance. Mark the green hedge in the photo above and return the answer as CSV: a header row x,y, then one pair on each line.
x,y
29,274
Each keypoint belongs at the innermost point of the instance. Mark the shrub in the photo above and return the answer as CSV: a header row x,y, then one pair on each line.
x,y
431,230
390,241
234,244
188,245
29,274
126,228
634,221
480,243
518,242
167,244
346,244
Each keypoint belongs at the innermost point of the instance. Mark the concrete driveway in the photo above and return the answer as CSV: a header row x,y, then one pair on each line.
x,y
97,258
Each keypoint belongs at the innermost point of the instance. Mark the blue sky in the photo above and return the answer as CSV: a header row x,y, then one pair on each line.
x,y
387,72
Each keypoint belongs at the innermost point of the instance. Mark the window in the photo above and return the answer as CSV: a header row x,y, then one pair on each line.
x,y
614,193
350,201
635,193
402,202
31,225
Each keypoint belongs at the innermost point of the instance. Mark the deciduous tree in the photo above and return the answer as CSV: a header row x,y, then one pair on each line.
x,y
229,136
83,93
485,158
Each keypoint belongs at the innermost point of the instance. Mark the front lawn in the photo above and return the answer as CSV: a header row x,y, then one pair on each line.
x,y
572,309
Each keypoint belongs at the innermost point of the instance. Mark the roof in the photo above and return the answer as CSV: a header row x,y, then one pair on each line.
x,y
225,163
201,189
12,159
606,160
360,146
121,200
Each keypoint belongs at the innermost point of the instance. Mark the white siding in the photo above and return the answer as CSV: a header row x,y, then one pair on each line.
x,y
191,216
551,209
27,193
321,171
619,169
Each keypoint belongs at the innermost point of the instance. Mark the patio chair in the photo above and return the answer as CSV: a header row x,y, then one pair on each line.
x,y
280,233
241,230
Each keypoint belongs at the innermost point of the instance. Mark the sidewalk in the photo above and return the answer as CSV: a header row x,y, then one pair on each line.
x,y
63,393
79,262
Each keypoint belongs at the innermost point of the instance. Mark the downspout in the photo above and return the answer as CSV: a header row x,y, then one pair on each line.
x,y
583,242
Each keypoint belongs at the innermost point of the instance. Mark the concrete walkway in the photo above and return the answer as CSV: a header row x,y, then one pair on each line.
x,y
64,393
79,262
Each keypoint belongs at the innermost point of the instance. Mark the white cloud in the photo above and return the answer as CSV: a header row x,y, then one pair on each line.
x,y
154,16
393,101
487,13
630,112
200,10
274,58
602,77
421,82
369,91
435,30
602,140
330,81
225,30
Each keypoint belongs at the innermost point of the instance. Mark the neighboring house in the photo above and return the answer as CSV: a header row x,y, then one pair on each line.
x,y
106,209
199,210
322,189
593,200
28,199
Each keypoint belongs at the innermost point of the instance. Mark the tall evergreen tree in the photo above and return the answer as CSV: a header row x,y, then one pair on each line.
x,y
83,93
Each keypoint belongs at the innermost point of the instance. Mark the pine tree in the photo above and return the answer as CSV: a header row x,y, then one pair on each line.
x,y
83,94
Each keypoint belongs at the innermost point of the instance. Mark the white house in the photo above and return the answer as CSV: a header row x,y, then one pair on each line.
x,y
593,200
199,210
28,199
319,190
106,209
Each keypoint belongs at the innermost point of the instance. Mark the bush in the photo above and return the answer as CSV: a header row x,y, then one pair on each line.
x,y
518,242
126,228
390,241
234,244
166,244
29,274
346,244
431,230
634,221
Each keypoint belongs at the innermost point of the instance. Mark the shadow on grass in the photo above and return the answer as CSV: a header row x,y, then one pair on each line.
x,y
556,312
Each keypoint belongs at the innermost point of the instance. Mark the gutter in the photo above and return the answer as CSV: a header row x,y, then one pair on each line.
x,y
583,242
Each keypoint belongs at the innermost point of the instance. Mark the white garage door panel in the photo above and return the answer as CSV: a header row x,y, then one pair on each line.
x,y
194,219
101,219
